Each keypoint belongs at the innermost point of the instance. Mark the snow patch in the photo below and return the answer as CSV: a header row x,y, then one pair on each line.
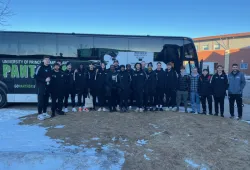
x,y
59,126
95,138
155,126
141,142
146,157
195,165
27,147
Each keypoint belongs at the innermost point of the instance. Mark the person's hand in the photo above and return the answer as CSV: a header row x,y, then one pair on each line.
x,y
47,79
97,70
76,70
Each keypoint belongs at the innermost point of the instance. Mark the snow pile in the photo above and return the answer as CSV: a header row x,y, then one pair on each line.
x,y
25,147
141,142
195,165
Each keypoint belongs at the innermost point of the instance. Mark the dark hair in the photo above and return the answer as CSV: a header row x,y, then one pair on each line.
x,y
158,63
46,56
58,60
122,66
169,64
128,65
219,66
150,64
205,70
234,64
56,64
68,63
116,61
182,68
137,64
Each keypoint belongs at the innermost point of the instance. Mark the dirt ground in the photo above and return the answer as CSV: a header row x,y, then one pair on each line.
x,y
158,140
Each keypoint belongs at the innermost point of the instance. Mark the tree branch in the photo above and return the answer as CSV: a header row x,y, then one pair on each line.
x,y
5,11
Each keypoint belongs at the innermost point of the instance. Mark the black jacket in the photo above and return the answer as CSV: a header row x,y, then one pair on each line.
x,y
150,86
138,80
57,79
171,79
81,80
160,79
219,85
183,83
125,80
92,75
42,72
101,78
69,79
204,85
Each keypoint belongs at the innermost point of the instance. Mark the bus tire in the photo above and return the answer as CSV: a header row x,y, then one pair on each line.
x,y
3,98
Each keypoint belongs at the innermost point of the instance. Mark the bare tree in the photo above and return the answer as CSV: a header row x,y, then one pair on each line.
x,y
5,12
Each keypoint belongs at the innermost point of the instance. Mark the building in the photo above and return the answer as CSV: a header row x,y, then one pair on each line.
x,y
225,50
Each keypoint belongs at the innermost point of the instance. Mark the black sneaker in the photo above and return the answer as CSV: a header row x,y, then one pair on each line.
x,y
53,115
231,117
186,111
210,113
216,114
114,110
60,113
156,109
222,115
161,109
192,112
205,113
145,109
151,109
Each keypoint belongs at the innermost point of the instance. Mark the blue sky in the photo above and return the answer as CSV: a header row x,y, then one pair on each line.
x,y
193,18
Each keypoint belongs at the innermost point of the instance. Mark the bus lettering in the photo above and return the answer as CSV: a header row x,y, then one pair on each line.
x,y
18,71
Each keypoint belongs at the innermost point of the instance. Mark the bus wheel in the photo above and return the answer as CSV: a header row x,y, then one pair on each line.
x,y
3,98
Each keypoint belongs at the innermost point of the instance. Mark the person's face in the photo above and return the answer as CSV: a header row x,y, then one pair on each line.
x,y
46,61
56,67
103,66
138,66
69,67
91,67
194,71
235,68
169,67
219,69
116,63
158,66
182,71
112,68
143,64
122,68
81,66
150,67
129,67
204,73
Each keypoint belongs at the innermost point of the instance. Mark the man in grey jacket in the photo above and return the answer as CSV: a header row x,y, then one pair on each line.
x,y
237,83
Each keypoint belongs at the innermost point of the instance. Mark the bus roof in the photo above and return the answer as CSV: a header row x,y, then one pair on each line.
x,y
104,35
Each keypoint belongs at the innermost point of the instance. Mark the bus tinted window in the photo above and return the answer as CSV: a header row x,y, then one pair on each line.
x,y
189,50
8,44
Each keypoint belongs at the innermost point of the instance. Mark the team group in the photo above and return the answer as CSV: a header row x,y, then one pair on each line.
x,y
150,88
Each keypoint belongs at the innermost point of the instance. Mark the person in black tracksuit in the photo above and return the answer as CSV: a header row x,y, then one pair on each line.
x,y
138,81
160,85
125,81
43,76
171,86
92,83
101,85
150,88
219,85
112,88
131,95
205,91
56,88
69,87
81,80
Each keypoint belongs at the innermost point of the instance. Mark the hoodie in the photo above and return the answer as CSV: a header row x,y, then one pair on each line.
x,y
160,79
81,79
101,78
204,85
150,86
237,82
69,79
42,72
138,80
219,85
92,75
171,79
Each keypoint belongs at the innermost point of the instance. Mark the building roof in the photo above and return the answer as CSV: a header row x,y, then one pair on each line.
x,y
222,36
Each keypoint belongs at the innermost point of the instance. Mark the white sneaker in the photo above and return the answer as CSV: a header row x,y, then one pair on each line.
x,y
100,109
74,110
174,109
141,110
167,109
130,107
105,110
40,117
66,110
137,109
118,108
46,116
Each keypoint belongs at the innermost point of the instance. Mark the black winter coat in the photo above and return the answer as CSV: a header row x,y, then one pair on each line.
x,y
42,72
204,85
81,80
92,75
138,80
160,79
150,86
57,79
125,80
101,81
112,82
171,79
183,83
219,85
69,81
